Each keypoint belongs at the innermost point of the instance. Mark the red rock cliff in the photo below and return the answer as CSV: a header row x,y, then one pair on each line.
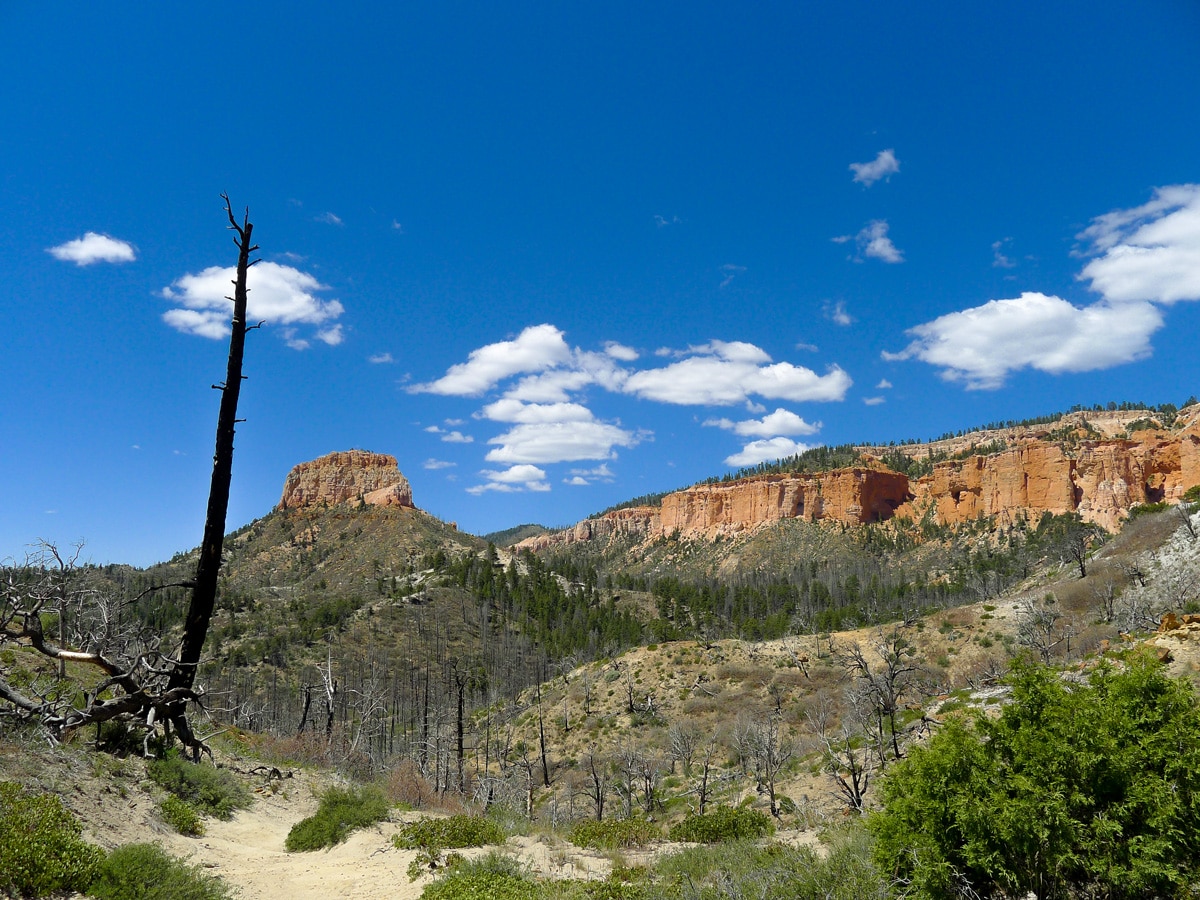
x,y
1101,480
346,477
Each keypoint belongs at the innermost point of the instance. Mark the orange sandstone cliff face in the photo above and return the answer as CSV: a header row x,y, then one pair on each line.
x,y
346,477
1101,480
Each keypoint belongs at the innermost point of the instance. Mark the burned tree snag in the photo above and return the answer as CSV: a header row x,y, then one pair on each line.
x,y
204,592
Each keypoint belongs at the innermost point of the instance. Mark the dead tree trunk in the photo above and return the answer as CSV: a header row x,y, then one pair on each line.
x,y
204,593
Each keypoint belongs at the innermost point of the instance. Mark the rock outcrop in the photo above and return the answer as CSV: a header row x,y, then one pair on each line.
x,y
1100,479
350,476
853,496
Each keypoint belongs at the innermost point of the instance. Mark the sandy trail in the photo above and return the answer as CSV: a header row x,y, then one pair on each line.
x,y
248,853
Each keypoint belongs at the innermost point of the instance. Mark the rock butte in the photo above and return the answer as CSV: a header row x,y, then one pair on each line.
x,y
347,477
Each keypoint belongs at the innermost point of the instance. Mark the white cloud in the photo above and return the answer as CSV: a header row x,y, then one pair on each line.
x,y
762,451
512,479
549,442
1142,256
999,260
278,295
874,401
883,385
328,218
457,437
721,374
874,243
589,476
981,346
510,410
620,351
535,349
836,313
380,359
1149,253
94,248
780,422
663,221
882,166
331,336
537,379
434,464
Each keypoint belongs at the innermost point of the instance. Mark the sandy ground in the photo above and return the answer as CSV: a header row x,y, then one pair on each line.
x,y
248,850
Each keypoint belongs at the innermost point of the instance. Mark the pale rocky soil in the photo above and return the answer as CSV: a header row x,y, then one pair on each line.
x,y
117,806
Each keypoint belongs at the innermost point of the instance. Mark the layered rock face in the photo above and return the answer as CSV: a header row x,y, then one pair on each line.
x,y
346,477
853,496
1101,480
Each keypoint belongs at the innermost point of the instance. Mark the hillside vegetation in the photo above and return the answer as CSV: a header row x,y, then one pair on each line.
x,y
618,693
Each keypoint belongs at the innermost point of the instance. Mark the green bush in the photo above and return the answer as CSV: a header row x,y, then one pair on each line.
x,y
146,872
495,877
722,824
41,851
181,816
340,812
1081,789
614,834
773,871
213,792
449,833
1145,509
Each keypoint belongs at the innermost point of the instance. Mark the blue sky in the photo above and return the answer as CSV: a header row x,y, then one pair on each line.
x,y
552,256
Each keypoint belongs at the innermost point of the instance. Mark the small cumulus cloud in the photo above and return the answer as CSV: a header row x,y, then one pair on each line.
x,y
724,373
397,227
836,313
664,221
620,351
999,259
549,442
513,479
534,349
874,401
780,422
93,248
581,477
278,295
884,166
380,359
873,242
457,437
435,464
883,385
332,335
766,450
328,218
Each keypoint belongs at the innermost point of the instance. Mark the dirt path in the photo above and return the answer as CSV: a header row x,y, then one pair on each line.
x,y
248,853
